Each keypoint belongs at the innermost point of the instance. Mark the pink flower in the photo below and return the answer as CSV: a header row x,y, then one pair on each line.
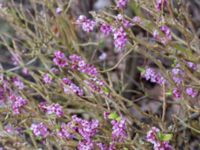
x,y
25,71
77,63
87,129
191,92
63,133
47,78
58,10
18,83
96,85
55,109
191,65
167,34
40,130
125,22
52,109
17,103
60,59
119,133
159,4
136,19
151,135
85,145
88,25
122,4
103,56
153,76
120,38
177,92
153,139
70,87
156,34
106,29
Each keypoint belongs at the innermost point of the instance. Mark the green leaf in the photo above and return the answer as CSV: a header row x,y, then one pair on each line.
x,y
169,93
106,90
101,44
142,70
118,119
164,137
39,138
114,116
125,148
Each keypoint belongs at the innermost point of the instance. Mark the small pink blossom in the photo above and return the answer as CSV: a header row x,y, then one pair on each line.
x,y
106,29
58,10
17,104
191,92
40,130
47,78
120,38
122,4
88,25
159,4
18,83
136,19
60,59
52,109
177,92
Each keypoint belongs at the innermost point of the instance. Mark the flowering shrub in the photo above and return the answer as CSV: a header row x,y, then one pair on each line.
x,y
72,78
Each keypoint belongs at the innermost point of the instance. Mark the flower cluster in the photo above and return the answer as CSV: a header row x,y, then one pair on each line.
x,y
177,92
96,85
178,77
125,22
63,132
86,145
120,38
167,34
88,25
77,63
152,137
122,4
18,83
161,4
191,65
40,130
153,76
52,109
106,29
47,78
191,92
60,59
70,87
86,129
119,133
166,30
17,103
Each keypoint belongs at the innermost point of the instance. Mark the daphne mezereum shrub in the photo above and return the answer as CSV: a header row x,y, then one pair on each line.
x,y
99,75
